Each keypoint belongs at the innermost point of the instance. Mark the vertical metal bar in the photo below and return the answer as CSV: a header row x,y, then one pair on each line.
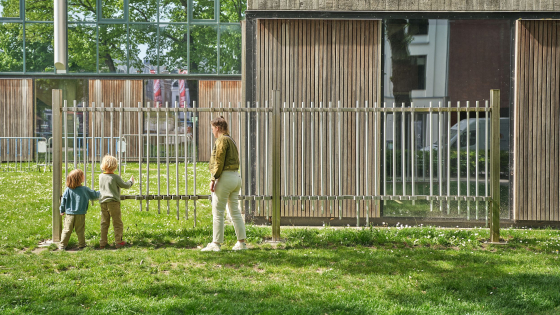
x,y
93,147
176,111
140,153
120,134
312,148
185,138
486,158
448,157
286,152
258,156
267,162
394,149
84,143
340,181
366,171
65,124
477,157
194,149
240,152
249,151
276,167
167,152
403,148
495,166
357,166
431,161
412,151
384,152
468,163
57,164
293,152
302,156
321,117
75,131
102,144
440,161
331,160
148,151
158,159
458,157
111,138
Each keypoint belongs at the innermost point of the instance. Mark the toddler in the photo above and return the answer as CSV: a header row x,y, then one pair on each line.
x,y
110,185
74,204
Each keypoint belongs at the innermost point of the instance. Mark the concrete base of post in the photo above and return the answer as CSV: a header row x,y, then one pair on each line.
x,y
497,243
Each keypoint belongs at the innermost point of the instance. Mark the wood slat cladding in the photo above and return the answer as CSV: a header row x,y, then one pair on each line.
x,y
537,122
217,94
406,5
16,115
129,92
312,63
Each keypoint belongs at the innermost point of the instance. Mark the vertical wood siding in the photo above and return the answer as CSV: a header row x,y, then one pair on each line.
x,y
16,115
321,61
129,92
537,121
216,94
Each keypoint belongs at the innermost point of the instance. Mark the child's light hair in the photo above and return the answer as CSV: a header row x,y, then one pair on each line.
x,y
75,179
109,163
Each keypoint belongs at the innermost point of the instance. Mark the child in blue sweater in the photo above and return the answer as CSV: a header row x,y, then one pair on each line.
x,y
74,204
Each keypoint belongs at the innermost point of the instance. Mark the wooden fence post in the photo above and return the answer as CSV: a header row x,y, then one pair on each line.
x,y
57,164
495,167
276,165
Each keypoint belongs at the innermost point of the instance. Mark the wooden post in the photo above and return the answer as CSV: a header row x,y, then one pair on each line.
x,y
57,164
495,167
276,165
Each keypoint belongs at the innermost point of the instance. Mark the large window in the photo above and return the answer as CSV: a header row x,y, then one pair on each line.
x,y
200,37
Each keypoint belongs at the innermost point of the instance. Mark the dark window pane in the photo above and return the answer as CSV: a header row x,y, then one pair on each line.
x,y
142,10
82,48
39,10
9,9
418,27
418,72
174,48
230,49
112,48
11,47
39,51
203,9
143,48
232,10
203,49
173,11
112,9
82,10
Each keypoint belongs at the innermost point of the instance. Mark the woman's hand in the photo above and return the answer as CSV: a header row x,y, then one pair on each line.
x,y
212,185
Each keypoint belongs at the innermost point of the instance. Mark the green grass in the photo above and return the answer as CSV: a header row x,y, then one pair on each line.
x,y
374,270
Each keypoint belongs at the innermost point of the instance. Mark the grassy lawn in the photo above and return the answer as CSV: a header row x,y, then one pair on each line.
x,y
377,270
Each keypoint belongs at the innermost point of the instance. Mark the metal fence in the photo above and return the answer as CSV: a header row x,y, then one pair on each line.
x,y
23,153
325,159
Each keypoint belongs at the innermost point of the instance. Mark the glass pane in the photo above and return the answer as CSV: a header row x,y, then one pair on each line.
x,y
39,50
230,49
203,9
9,8
112,48
39,10
85,11
112,9
232,10
82,48
11,47
174,48
173,11
203,49
143,48
142,10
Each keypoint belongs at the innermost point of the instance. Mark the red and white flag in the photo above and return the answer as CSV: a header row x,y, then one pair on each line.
x,y
157,90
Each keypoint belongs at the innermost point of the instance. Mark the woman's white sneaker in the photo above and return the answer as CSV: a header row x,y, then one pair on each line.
x,y
211,247
239,246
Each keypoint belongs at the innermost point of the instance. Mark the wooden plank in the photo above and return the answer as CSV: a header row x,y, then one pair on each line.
x,y
547,115
556,120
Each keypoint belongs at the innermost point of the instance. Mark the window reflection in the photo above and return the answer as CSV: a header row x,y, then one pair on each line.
x,y
113,9
203,9
39,53
82,10
82,50
39,10
230,49
232,10
203,44
9,9
143,48
174,47
112,48
142,10
173,11
11,47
